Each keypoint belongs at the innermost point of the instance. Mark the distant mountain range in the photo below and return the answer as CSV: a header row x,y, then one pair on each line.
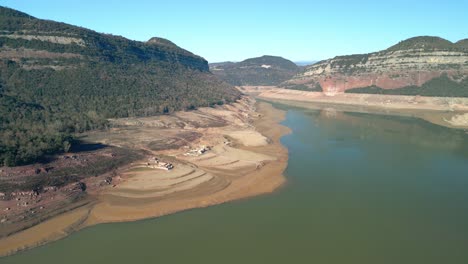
x,y
305,63
429,66
265,70
57,79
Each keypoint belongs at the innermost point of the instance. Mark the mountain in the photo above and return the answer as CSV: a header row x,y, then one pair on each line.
x,y
57,79
265,70
304,63
429,66
424,43
462,44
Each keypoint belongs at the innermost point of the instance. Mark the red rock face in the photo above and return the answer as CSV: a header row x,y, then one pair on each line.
x,y
341,83
388,69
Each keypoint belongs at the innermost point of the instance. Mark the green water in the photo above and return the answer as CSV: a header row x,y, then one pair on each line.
x,y
361,189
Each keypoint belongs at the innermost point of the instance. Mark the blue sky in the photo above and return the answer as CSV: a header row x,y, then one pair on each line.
x,y
236,30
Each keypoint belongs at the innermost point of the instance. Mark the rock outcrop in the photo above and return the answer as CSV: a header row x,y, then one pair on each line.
x,y
23,32
410,63
58,79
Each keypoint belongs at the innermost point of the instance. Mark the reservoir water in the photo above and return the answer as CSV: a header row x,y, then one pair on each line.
x,y
362,188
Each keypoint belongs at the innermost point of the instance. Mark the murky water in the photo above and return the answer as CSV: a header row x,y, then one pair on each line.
x,y
362,188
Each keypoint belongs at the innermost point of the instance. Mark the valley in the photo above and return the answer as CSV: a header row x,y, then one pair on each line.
x,y
349,154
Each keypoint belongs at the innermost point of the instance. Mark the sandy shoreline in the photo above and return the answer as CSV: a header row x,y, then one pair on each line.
x,y
245,156
445,111
250,164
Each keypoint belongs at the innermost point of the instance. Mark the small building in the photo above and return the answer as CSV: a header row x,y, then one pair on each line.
x,y
155,163
198,151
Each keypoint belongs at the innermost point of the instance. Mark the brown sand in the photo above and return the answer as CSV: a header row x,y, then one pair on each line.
x,y
251,164
50,230
445,111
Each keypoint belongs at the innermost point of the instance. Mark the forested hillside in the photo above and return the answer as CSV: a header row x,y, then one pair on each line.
x,y
57,79
265,70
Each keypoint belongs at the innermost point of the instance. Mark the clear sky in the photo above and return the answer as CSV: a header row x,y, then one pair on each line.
x,y
239,29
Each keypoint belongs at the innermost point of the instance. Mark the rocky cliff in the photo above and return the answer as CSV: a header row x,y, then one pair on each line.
x,y
24,37
58,79
409,64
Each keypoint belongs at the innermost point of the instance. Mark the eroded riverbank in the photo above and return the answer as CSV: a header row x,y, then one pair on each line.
x,y
445,111
243,158
361,188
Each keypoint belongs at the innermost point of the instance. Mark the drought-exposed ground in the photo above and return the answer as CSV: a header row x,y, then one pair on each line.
x,y
219,154
57,80
445,111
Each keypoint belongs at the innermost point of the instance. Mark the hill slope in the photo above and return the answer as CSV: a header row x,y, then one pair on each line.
x,y
462,44
429,66
265,70
58,79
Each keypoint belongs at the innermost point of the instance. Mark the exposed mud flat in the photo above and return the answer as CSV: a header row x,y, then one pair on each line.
x,y
33,193
241,157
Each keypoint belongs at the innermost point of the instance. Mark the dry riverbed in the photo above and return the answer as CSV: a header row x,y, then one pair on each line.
x,y
218,155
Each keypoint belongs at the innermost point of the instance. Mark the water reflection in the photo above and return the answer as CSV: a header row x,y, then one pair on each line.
x,y
362,189
393,129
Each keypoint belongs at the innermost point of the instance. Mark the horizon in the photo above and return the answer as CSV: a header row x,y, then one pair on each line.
x,y
341,28
327,132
